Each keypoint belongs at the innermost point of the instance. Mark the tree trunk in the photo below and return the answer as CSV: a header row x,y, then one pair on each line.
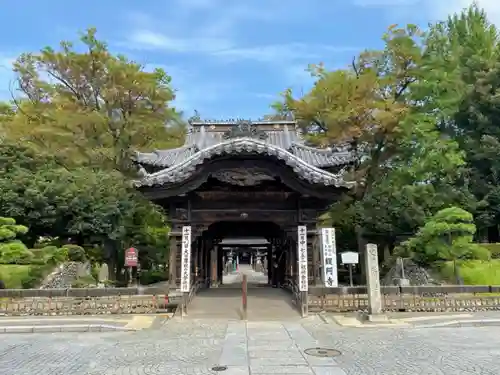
x,y
361,250
111,268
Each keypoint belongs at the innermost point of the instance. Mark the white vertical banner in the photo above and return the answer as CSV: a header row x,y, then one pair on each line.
x,y
329,252
186,259
302,258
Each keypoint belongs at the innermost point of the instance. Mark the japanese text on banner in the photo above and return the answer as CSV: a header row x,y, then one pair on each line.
x,y
186,259
330,272
302,255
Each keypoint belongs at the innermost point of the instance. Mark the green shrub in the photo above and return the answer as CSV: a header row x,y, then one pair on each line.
x,y
474,272
15,253
94,271
95,254
477,252
75,253
59,256
13,275
9,230
150,277
35,275
38,262
83,282
494,249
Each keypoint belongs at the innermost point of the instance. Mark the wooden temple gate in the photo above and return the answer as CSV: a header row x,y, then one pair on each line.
x,y
240,179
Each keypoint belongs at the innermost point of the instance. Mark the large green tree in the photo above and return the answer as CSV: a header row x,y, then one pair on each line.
x,y
82,205
402,161
460,89
92,107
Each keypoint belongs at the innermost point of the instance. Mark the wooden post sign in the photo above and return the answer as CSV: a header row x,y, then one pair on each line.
x,y
186,259
131,257
350,258
302,255
329,247
131,260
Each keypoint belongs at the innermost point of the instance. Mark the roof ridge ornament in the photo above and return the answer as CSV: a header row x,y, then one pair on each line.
x,y
244,129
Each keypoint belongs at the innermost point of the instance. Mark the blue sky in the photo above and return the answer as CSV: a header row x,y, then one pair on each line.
x,y
227,58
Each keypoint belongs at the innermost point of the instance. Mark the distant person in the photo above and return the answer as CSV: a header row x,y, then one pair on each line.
x,y
2,284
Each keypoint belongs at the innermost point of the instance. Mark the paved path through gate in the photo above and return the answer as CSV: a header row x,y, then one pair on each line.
x,y
264,302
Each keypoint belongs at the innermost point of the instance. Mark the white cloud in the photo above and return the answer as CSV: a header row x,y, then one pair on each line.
x,y
434,9
281,52
193,91
441,10
220,32
214,26
147,39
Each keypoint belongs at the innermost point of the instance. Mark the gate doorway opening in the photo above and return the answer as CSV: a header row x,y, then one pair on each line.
x,y
263,246
260,251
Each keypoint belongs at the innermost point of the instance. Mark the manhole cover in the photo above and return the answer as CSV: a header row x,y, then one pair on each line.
x,y
219,368
322,352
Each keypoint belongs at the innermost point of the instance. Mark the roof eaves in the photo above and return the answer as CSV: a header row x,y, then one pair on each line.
x,y
183,170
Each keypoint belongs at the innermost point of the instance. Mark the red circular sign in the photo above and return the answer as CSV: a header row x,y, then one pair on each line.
x,y
131,257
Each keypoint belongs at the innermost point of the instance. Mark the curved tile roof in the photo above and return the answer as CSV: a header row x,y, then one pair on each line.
x,y
182,170
202,136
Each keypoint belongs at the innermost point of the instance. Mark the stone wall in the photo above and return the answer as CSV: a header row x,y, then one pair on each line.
x,y
65,274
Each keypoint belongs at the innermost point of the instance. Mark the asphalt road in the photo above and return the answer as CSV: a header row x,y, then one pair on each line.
x,y
194,346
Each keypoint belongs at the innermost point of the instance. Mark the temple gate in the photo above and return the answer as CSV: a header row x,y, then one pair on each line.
x,y
242,179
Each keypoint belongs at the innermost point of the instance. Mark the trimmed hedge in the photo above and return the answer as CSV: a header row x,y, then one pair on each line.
x,y
150,277
493,248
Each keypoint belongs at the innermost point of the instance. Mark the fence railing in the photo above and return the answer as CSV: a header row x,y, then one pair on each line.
x,y
76,301
81,301
299,297
409,298
185,299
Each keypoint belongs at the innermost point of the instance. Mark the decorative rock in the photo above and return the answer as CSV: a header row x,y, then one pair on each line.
x,y
414,273
103,273
62,277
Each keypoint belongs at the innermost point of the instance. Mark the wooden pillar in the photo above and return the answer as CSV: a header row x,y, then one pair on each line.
x,y
195,256
269,264
172,266
313,249
200,258
213,266
220,265
206,261
288,252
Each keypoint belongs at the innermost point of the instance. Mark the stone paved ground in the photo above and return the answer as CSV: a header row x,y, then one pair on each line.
x,y
264,302
256,348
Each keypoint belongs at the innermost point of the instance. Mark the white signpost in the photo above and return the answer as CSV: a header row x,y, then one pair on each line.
x,y
186,259
329,247
350,258
302,258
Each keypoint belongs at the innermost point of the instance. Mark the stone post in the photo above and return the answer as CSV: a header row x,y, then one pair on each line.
x,y
373,282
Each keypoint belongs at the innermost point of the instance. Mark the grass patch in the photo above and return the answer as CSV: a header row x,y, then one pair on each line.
x,y
13,275
24,276
475,272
